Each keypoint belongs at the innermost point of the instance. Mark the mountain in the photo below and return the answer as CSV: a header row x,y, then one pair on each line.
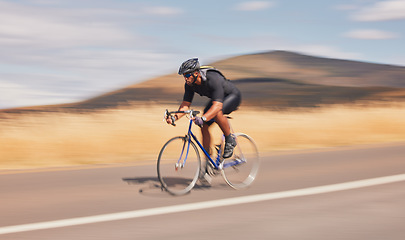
x,y
276,80
313,70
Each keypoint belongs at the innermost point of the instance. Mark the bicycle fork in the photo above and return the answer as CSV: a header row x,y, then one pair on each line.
x,y
181,163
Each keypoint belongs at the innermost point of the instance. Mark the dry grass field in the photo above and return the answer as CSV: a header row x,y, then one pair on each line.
x,y
137,133
307,102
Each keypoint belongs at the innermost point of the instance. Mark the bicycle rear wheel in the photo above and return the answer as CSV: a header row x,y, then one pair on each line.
x,y
178,166
240,170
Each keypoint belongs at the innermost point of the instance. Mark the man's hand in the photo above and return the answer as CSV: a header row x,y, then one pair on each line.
x,y
170,120
198,121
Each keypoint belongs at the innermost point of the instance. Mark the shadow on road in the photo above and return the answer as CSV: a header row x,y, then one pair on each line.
x,y
150,186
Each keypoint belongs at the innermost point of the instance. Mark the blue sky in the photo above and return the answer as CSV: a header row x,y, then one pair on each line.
x,y
59,51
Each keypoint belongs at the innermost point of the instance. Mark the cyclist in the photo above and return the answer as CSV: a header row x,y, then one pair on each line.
x,y
225,98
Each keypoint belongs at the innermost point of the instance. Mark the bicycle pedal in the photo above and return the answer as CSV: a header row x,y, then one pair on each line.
x,y
213,172
209,171
208,178
210,165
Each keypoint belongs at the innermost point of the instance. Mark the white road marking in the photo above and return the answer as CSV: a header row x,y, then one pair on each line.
x,y
202,205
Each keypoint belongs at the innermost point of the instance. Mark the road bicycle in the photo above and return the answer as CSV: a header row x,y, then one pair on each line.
x,y
179,164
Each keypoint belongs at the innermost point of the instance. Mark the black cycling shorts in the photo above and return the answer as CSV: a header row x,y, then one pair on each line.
x,y
230,104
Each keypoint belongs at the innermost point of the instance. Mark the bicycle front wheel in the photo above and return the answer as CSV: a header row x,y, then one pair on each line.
x,y
178,165
240,170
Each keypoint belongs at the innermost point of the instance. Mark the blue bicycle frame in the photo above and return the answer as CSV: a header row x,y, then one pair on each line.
x,y
190,135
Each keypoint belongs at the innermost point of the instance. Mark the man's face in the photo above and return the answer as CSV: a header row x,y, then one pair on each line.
x,y
189,78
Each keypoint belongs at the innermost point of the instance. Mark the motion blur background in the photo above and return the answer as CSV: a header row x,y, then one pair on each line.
x,y
87,82
56,51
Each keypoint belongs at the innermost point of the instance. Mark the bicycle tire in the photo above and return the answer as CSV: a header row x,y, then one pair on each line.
x,y
241,169
175,178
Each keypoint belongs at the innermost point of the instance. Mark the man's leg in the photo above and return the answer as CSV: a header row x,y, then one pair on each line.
x,y
223,123
230,104
205,178
230,141
206,137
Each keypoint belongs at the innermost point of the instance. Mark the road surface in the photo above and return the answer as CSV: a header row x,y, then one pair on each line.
x,y
126,201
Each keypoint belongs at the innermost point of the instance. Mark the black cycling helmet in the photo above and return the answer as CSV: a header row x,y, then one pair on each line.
x,y
189,66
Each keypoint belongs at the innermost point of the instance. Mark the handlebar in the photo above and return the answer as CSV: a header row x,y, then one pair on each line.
x,y
191,113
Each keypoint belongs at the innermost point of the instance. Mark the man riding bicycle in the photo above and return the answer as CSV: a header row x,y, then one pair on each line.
x,y
225,98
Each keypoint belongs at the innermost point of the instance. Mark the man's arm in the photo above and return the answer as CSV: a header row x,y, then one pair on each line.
x,y
214,110
184,106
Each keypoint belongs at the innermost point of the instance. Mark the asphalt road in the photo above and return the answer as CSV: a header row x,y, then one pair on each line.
x,y
71,194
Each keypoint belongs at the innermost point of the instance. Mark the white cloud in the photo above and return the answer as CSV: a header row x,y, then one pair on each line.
x,y
370,34
77,75
35,31
382,11
345,7
326,51
18,95
58,53
59,27
267,42
163,11
35,27
45,2
253,5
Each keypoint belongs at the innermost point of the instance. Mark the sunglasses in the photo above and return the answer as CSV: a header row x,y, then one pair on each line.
x,y
187,75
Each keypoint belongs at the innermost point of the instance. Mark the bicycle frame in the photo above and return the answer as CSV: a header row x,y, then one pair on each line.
x,y
237,171
190,135
217,163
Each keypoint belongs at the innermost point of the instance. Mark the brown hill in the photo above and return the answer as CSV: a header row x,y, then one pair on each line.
x,y
276,79
313,70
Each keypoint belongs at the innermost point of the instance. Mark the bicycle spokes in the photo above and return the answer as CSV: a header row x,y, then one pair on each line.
x,y
182,161
178,166
241,169
238,171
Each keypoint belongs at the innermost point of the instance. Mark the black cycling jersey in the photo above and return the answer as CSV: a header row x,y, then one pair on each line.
x,y
213,85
